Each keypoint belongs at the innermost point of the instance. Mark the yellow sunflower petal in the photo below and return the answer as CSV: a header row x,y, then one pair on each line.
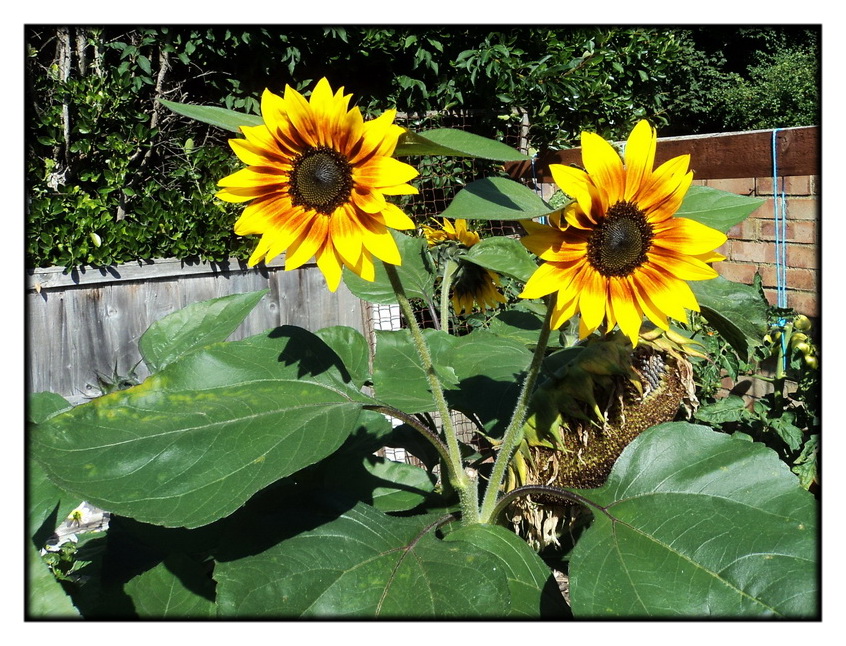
x,y
253,155
684,267
330,266
393,217
378,137
669,294
379,242
625,308
594,294
604,167
546,279
259,252
577,184
379,172
367,200
365,267
564,310
640,157
652,311
306,245
344,231
686,236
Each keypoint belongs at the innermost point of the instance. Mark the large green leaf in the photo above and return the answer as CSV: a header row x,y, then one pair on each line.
x,y
490,370
177,588
496,198
416,274
454,143
192,443
504,256
352,348
738,312
47,504
399,379
717,209
696,523
362,563
388,486
220,117
195,326
46,599
534,591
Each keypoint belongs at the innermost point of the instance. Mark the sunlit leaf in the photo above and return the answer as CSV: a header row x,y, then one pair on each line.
x,y
46,599
220,117
178,588
194,326
361,563
696,523
454,143
399,379
717,209
415,273
195,441
496,198
504,256
738,312
534,591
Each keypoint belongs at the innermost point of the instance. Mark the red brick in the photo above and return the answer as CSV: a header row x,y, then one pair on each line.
x,y
772,296
737,272
803,302
743,186
799,279
793,185
803,208
804,256
749,251
802,231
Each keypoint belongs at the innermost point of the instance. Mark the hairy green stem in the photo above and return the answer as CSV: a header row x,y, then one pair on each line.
x,y
428,433
465,486
446,283
514,433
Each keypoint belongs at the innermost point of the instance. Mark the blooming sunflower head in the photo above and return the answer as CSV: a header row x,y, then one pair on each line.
x,y
316,178
616,253
471,284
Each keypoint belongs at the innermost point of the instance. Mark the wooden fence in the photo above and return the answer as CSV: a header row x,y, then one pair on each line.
x,y
82,325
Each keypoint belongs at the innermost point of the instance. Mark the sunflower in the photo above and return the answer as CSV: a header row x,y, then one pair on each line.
x,y
317,176
471,283
616,252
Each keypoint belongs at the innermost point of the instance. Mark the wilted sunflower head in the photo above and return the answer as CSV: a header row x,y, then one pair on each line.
x,y
616,253
471,284
316,178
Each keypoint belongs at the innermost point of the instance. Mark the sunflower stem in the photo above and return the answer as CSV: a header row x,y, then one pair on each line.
x,y
446,283
465,486
514,433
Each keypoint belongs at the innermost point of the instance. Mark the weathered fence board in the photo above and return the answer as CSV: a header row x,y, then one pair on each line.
x,y
80,326
713,156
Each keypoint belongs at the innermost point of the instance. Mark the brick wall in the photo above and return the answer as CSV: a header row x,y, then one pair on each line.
x,y
751,246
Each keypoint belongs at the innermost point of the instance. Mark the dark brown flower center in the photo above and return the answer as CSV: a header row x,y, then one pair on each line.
x,y
321,180
619,243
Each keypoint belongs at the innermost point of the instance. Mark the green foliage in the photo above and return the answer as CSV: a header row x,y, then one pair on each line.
x,y
669,484
787,417
242,480
112,176
746,78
